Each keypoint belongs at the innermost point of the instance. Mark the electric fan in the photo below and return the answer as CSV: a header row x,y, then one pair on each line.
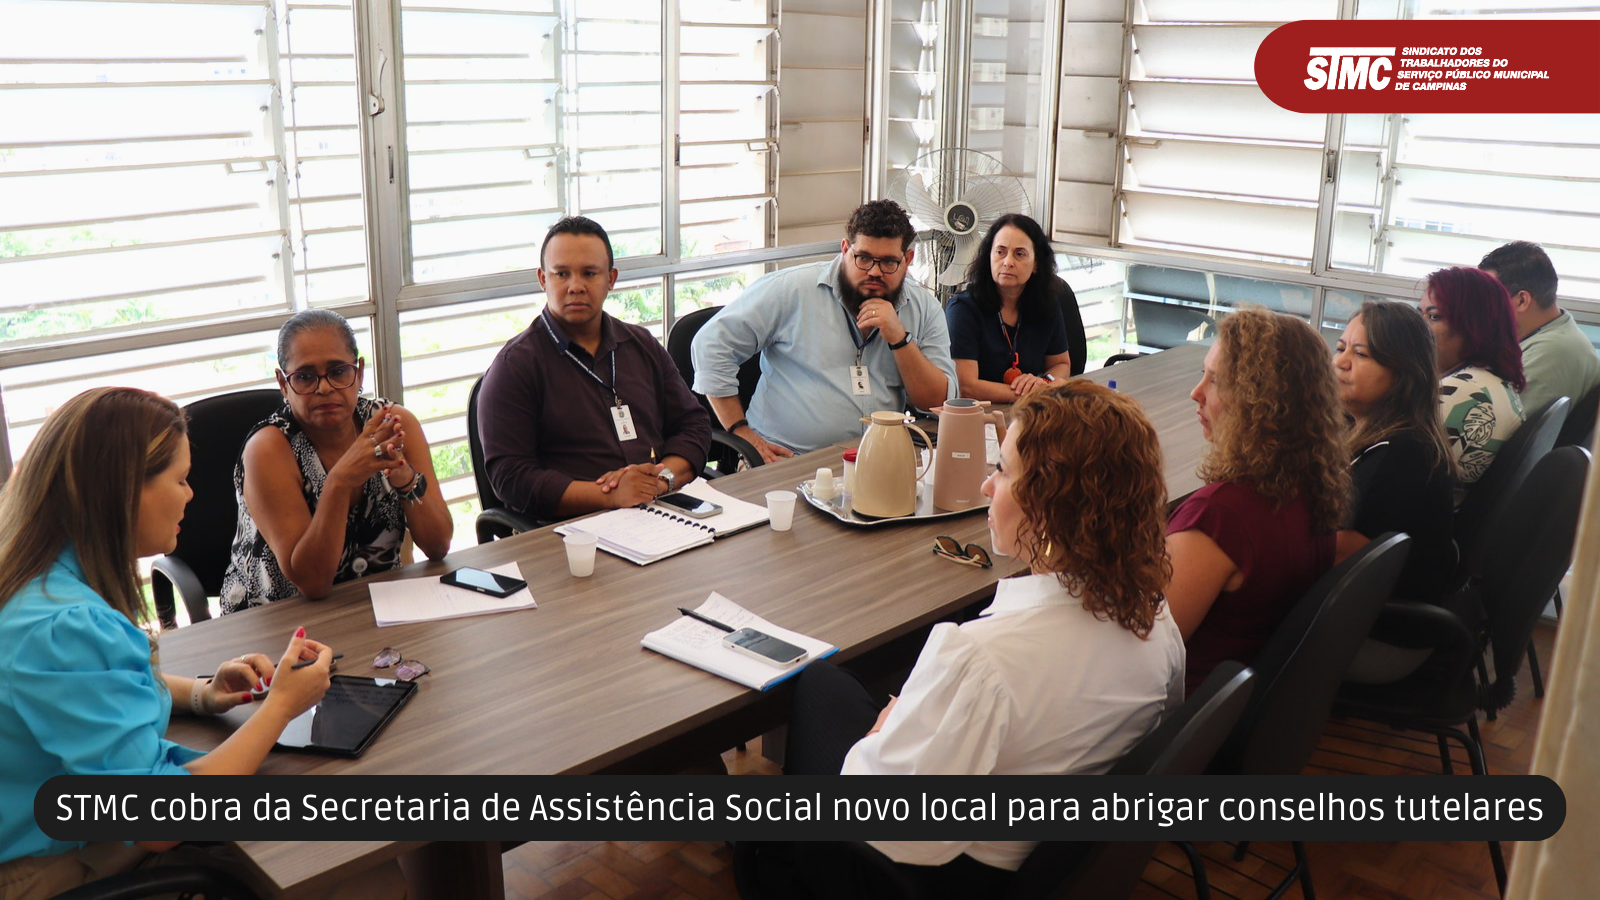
x,y
953,197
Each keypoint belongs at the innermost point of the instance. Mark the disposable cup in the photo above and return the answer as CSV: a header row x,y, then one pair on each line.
x,y
780,506
580,553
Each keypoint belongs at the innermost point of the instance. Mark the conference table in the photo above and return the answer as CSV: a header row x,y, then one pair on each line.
x,y
567,689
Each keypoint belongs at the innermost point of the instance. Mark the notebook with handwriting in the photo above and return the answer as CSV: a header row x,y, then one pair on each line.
x,y
644,534
700,645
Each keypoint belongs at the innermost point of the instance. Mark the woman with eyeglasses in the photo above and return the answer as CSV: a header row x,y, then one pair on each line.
x,y
329,484
1480,366
81,691
1070,666
1007,334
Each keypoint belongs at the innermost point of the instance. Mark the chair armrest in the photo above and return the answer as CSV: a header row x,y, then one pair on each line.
x,y
501,522
163,881
745,449
1408,623
180,576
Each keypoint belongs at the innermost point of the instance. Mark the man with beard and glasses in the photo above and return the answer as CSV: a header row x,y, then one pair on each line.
x,y
838,340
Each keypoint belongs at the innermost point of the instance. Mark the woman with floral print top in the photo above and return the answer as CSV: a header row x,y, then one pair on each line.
x,y
1480,366
328,485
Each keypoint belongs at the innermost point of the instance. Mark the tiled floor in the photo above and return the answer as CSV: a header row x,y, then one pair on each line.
x,y
1413,870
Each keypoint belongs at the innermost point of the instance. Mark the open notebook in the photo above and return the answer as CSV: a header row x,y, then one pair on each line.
x,y
644,534
698,644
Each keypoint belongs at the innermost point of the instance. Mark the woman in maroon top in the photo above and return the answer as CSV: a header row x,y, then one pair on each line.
x,y
1246,546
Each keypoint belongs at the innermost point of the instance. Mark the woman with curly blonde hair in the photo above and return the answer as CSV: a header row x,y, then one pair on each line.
x,y
1246,546
1070,665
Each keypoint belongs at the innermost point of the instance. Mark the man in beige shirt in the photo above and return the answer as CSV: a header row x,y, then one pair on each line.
x,y
1557,358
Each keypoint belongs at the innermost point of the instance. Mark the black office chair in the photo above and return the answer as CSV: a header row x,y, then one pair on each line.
x,y
1501,481
1298,673
1167,325
497,520
1077,340
1579,427
1183,744
163,881
217,429
1486,500
1497,613
728,449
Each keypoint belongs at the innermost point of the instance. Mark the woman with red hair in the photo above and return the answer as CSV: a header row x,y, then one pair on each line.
x,y
1480,366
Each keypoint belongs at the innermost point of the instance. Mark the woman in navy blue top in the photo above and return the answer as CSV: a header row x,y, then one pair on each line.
x,y
1007,334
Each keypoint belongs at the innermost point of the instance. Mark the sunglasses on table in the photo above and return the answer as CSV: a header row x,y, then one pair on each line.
x,y
971,555
404,669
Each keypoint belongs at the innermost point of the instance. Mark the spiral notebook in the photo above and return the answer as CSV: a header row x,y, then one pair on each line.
x,y
644,534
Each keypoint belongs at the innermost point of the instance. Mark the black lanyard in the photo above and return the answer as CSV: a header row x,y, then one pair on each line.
x,y
616,399
855,334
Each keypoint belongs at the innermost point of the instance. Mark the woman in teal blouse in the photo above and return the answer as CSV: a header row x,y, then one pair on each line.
x,y
103,484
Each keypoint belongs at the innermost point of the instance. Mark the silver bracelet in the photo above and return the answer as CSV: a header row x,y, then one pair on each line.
x,y
196,698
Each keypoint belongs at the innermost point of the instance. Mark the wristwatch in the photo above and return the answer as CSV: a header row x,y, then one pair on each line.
x,y
670,477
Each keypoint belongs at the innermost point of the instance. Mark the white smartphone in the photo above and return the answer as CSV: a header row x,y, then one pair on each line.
x,y
690,506
764,647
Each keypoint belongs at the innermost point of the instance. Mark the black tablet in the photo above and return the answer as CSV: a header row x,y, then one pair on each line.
x,y
349,717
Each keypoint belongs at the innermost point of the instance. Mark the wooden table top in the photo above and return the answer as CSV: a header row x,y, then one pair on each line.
x,y
567,688
1161,383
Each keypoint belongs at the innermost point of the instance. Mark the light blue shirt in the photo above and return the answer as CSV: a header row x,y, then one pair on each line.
x,y
797,321
77,697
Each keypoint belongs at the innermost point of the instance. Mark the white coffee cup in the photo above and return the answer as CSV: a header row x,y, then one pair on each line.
x,y
580,553
780,506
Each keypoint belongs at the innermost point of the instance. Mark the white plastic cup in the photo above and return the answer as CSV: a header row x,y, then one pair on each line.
x,y
823,487
580,553
780,506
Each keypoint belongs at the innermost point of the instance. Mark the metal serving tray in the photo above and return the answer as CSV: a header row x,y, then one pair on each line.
x,y
839,507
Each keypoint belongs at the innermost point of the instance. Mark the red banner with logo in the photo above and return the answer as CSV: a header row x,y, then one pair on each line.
x,y
1478,66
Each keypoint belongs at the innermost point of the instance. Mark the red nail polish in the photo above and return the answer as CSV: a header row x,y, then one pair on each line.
x,y
260,686
300,632
247,698
268,681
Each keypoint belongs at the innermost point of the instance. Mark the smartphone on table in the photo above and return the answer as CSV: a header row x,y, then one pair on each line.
x,y
484,582
690,505
764,646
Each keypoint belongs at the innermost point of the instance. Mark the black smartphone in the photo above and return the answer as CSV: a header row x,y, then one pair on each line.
x,y
484,582
764,646
691,506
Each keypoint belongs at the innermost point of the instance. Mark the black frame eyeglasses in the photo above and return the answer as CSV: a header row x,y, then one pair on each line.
x,y
971,555
339,377
404,669
865,262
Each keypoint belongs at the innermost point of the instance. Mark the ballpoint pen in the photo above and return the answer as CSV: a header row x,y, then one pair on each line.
x,y
706,619
306,662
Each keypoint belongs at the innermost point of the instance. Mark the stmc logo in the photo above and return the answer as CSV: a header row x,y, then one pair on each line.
x,y
1348,68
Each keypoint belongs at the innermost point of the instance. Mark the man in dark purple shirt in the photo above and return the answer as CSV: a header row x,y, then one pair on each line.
x,y
582,411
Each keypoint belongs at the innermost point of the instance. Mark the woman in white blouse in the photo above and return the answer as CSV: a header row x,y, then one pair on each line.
x,y
1067,669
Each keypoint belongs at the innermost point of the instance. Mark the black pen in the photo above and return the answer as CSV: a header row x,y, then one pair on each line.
x,y
302,664
706,619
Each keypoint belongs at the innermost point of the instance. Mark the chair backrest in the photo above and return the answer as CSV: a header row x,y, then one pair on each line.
x,y
217,429
1579,427
480,472
1165,325
1077,340
1534,536
1299,670
679,343
1182,744
1502,480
